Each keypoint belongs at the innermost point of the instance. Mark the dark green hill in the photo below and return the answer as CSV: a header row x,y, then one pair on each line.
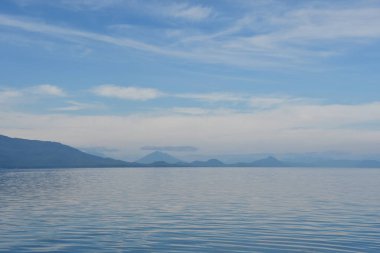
x,y
22,153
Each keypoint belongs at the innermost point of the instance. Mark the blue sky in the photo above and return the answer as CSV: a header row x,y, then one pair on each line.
x,y
220,77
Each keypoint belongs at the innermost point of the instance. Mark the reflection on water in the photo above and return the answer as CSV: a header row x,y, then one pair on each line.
x,y
190,210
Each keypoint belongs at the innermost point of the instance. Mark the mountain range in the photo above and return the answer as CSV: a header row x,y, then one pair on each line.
x,y
23,153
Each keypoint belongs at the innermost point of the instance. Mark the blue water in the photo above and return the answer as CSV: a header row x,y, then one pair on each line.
x,y
190,210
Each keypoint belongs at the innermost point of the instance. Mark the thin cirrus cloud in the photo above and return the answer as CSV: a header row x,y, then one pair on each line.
x,y
255,38
75,5
294,33
64,33
73,106
182,10
189,12
127,93
88,5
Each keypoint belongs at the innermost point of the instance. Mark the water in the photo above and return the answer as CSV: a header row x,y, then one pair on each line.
x,y
190,210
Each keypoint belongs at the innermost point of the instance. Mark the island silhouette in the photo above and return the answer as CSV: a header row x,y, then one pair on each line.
x,y
24,153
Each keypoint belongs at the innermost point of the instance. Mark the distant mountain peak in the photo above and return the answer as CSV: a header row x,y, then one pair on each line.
x,y
270,158
158,156
269,161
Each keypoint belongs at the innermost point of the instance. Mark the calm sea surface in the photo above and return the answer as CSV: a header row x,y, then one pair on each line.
x,y
190,210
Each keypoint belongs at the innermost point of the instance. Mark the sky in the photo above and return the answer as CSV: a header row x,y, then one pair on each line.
x,y
194,78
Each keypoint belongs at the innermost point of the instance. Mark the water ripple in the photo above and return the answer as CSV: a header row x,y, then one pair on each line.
x,y
190,210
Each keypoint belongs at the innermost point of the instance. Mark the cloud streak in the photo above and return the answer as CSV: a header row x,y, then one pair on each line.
x,y
127,93
189,12
213,97
143,94
170,148
49,90
11,96
261,39
62,32
74,106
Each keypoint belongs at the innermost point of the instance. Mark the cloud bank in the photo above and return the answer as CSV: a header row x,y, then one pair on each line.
x,y
170,148
284,129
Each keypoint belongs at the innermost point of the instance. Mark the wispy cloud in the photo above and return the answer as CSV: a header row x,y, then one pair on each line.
x,y
191,110
249,100
62,32
127,93
75,5
12,96
199,111
266,102
305,27
90,4
187,11
78,106
254,39
271,102
170,148
48,89
213,97
332,24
